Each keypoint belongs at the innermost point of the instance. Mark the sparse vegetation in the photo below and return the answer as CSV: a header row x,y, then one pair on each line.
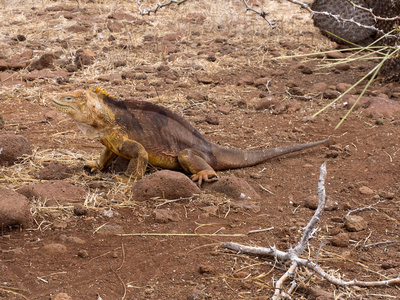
x,y
219,67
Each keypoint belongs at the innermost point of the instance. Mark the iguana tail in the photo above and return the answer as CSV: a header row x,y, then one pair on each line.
x,y
228,158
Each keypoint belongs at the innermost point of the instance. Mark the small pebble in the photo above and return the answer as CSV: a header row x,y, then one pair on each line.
x,y
83,254
366,190
355,223
341,240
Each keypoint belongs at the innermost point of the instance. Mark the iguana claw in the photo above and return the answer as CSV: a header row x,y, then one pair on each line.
x,y
205,176
88,168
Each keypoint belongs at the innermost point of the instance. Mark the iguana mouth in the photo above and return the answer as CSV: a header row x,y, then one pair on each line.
x,y
60,105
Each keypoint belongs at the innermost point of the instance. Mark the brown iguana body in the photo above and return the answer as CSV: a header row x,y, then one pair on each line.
x,y
148,133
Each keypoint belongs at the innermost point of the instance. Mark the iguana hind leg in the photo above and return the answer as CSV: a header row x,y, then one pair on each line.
x,y
193,162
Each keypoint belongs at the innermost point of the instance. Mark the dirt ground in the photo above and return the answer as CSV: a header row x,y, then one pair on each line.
x,y
209,61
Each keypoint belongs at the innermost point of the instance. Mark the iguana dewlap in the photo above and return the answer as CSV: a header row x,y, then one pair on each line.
x,y
143,133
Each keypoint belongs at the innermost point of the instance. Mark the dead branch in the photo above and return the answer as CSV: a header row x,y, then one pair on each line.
x,y
310,229
293,254
369,10
257,251
145,11
385,243
344,20
369,207
263,14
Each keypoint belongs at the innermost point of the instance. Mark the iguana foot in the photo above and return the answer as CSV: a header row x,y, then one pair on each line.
x,y
206,176
90,167
124,179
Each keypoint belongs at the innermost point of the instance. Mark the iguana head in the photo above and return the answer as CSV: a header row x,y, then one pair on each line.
x,y
86,106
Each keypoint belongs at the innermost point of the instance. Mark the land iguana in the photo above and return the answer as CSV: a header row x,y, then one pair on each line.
x,y
143,133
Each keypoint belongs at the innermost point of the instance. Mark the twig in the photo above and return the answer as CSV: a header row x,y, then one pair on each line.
x,y
263,14
370,11
309,230
260,230
120,279
119,268
145,11
306,98
384,296
380,244
293,255
265,189
11,291
339,18
104,254
370,207
180,234
176,200
257,251
279,284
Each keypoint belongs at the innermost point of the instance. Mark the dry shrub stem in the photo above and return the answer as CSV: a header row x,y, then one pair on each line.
x,y
263,14
372,14
293,254
343,20
145,11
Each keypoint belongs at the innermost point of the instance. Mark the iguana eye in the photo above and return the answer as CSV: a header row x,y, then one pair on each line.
x,y
69,98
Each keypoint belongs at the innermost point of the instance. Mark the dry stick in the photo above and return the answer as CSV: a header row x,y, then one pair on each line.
x,y
343,20
260,230
288,274
144,11
181,234
309,230
120,279
385,243
263,14
119,268
8,290
370,207
293,254
370,11
176,200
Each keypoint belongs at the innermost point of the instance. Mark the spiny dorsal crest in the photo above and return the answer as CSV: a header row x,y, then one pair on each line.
x,y
100,91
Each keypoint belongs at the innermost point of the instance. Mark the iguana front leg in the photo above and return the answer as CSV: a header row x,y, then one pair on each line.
x,y
104,161
193,162
138,159
126,148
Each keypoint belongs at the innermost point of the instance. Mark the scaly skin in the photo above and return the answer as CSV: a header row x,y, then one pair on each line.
x,y
147,133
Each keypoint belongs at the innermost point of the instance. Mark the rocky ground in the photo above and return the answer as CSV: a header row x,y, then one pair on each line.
x,y
83,236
